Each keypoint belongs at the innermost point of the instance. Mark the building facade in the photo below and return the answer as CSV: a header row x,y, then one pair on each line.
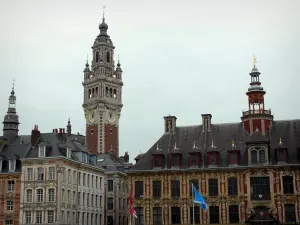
x,y
102,102
248,172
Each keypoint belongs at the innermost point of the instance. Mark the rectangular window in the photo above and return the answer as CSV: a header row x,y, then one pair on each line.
x,y
84,179
196,184
40,195
50,216
110,220
29,195
29,174
156,191
11,185
157,216
8,222
28,217
233,158
175,215
214,214
42,151
213,187
157,161
51,195
51,171
110,185
139,189
281,155
110,203
39,217
290,213
140,215
288,184
175,160
92,181
12,165
232,186
9,205
234,214
260,188
196,215
194,159
175,188
41,173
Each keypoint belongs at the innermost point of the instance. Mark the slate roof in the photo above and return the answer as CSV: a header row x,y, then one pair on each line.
x,y
223,137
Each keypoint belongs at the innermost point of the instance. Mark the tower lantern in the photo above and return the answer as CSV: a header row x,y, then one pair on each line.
x,y
256,117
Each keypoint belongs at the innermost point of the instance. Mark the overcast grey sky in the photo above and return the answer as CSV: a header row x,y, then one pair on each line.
x,y
182,58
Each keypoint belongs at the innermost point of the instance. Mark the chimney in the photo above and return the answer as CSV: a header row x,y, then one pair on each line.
x,y
56,131
63,130
35,135
126,157
170,123
60,130
206,122
53,130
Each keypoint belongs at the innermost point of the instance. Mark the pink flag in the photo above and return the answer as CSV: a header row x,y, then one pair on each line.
x,y
132,211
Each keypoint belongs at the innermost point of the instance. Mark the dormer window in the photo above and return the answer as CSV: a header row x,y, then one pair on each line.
x,y
258,155
212,158
281,155
175,160
233,157
12,165
194,159
68,153
157,161
42,151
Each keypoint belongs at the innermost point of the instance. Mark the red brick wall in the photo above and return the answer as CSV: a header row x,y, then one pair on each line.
x,y
111,138
92,138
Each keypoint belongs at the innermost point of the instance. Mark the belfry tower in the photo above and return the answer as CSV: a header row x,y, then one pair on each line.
x,y
257,117
11,119
102,102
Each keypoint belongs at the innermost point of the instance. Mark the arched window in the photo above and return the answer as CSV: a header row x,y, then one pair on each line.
x,y
97,56
111,92
253,156
93,92
106,92
115,93
262,156
90,93
108,57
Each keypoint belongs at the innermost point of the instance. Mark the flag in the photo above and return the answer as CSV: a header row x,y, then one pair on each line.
x,y
132,211
198,199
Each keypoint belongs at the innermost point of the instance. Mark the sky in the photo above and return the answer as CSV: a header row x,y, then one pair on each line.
x,y
183,58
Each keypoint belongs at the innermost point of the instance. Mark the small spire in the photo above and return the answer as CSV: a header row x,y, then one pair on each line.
x,y
280,141
254,60
175,147
233,145
118,61
212,144
103,15
257,130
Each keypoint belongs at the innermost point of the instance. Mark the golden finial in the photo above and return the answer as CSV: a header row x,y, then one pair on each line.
x,y
254,60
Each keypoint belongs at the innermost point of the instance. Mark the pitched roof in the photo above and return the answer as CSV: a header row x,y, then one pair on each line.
x,y
222,137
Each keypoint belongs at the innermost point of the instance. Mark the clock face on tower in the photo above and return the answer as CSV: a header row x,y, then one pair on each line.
x,y
92,116
111,116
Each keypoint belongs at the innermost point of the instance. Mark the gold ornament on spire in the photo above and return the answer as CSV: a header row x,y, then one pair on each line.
x,y
254,60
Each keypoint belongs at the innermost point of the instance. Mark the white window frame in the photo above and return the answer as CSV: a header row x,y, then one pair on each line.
x,y
29,174
9,207
51,196
42,151
39,217
12,165
11,185
29,195
40,196
50,216
28,217
51,173
41,172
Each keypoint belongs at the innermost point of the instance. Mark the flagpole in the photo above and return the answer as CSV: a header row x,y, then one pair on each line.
x,y
193,204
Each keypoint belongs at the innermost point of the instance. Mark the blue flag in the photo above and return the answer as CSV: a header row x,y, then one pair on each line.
x,y
198,199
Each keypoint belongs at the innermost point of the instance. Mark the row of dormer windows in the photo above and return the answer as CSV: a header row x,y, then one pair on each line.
x,y
259,187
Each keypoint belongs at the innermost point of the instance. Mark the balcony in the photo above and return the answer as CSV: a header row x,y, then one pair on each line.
x,y
257,111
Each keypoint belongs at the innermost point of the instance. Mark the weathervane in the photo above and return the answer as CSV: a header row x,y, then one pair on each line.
x,y
254,60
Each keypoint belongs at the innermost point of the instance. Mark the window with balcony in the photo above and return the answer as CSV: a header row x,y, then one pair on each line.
x,y
110,185
260,188
40,195
213,187
9,205
290,213
156,189
41,174
196,184
288,184
195,216
214,215
110,203
29,174
29,195
232,186
11,185
234,214
175,188
157,216
175,215
51,195
139,189
140,216
51,172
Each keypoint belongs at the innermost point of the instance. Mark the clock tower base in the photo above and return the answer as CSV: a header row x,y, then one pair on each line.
x,y
111,139
92,138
